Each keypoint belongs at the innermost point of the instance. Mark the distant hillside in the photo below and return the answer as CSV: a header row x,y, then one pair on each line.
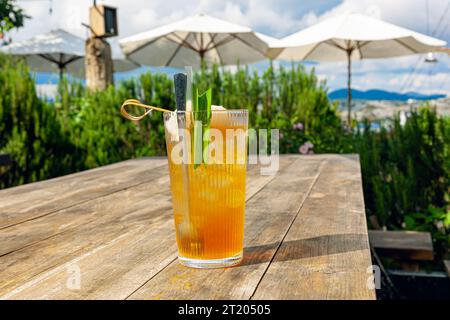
x,y
382,95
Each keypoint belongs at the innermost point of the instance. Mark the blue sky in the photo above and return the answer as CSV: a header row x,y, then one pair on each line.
x,y
278,18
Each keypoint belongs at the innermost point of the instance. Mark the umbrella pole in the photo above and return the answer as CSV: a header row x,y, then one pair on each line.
x,y
349,87
202,60
61,66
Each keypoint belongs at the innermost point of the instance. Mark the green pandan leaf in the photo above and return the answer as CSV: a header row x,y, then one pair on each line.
x,y
202,113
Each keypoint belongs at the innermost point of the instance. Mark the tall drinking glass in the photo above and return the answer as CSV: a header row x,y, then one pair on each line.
x,y
208,196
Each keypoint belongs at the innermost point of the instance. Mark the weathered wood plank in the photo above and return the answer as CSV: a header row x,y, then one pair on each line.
x,y
412,245
112,206
91,228
137,221
269,214
19,236
34,200
325,254
123,243
111,270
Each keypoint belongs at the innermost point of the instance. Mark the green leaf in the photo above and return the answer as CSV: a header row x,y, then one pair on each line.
x,y
409,222
202,113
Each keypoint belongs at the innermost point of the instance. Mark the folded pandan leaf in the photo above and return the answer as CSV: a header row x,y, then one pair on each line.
x,y
201,107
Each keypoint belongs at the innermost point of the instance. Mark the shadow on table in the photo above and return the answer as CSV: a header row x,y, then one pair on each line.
x,y
305,248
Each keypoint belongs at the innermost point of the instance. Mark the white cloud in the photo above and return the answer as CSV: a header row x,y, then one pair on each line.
x,y
261,15
274,17
424,82
406,13
394,74
278,18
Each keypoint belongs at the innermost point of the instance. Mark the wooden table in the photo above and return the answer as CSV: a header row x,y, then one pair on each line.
x,y
108,233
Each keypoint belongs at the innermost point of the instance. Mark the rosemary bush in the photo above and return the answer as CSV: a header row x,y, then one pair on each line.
x,y
406,174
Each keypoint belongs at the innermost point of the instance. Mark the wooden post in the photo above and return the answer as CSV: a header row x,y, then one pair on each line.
x,y
99,65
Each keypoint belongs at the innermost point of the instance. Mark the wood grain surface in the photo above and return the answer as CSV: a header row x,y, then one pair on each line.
x,y
108,233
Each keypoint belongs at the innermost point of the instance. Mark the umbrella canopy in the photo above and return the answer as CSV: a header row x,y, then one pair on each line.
x,y
54,51
120,62
59,51
353,36
196,39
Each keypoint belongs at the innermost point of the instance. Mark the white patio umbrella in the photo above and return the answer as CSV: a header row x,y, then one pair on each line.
x,y
50,52
353,36
195,39
60,51
120,62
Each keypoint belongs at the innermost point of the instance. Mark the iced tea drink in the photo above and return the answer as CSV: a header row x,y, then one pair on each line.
x,y
209,198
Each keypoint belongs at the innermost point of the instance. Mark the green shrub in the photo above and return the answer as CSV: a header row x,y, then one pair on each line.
x,y
406,174
29,130
405,168
100,134
282,99
437,222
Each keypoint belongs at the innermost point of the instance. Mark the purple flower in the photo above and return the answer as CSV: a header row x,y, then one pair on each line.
x,y
309,145
303,149
298,126
306,148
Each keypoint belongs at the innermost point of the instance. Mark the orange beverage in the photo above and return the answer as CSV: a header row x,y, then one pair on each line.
x,y
209,198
